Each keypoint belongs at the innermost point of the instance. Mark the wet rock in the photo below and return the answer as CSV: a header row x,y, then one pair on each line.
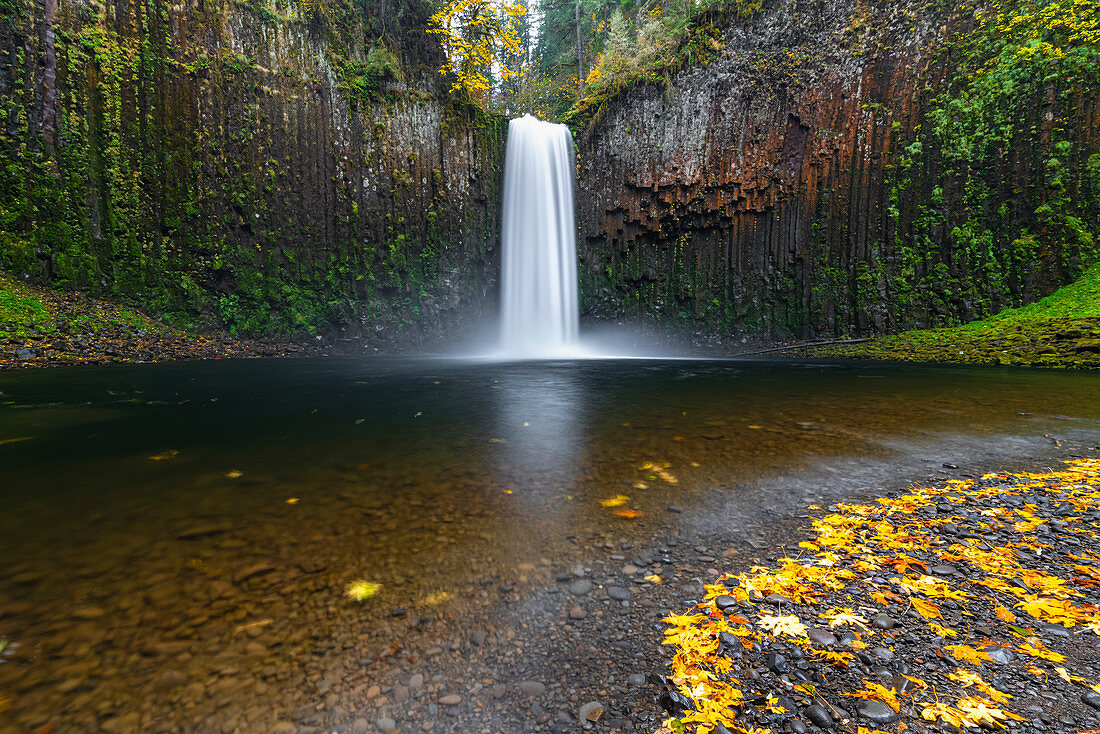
x,y
580,587
618,593
1092,698
258,569
1002,655
819,716
877,712
591,711
943,569
884,621
777,663
725,602
635,680
823,637
532,688
798,726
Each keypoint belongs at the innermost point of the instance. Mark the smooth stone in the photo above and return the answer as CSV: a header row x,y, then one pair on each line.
x,y
944,570
777,599
798,726
819,716
359,726
591,711
724,602
823,637
532,688
1092,698
452,699
386,724
416,682
635,680
618,593
883,654
1002,655
577,613
877,712
580,587
884,621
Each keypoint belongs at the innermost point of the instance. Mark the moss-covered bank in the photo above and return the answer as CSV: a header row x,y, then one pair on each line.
x,y
1062,330
40,327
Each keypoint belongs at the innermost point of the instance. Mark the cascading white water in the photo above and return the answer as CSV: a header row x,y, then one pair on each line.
x,y
539,260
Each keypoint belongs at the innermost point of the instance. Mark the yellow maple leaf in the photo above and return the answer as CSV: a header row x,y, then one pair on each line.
x,y
878,692
1005,615
943,631
1067,676
967,654
628,514
1036,649
927,609
788,625
615,501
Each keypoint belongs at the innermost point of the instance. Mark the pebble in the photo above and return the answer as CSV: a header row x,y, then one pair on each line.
x,y
386,724
577,613
618,593
878,712
823,637
777,663
1092,698
416,682
944,570
359,726
532,688
884,621
1002,655
580,587
591,711
452,699
819,716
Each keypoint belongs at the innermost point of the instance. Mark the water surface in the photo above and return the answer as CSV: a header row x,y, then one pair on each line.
x,y
177,538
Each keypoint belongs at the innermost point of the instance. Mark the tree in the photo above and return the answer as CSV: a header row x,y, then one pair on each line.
x,y
481,39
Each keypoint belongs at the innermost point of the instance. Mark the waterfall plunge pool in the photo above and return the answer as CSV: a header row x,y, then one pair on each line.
x,y
177,538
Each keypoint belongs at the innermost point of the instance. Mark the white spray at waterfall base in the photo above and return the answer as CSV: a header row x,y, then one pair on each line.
x,y
539,312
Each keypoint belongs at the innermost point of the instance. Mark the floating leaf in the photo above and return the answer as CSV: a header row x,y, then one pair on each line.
x,y
292,500
615,501
234,474
628,514
361,590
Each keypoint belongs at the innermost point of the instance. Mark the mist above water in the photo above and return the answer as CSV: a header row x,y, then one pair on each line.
x,y
539,311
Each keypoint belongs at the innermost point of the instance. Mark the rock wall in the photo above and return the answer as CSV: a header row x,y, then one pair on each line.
x,y
792,187
245,164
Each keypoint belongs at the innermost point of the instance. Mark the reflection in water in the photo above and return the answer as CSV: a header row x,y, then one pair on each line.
x,y
152,562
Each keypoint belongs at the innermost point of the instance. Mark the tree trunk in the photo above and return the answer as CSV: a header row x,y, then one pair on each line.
x,y
580,54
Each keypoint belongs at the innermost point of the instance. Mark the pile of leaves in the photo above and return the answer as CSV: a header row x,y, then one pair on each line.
x,y
955,605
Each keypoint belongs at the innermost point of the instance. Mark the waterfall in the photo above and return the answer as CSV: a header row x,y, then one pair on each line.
x,y
539,260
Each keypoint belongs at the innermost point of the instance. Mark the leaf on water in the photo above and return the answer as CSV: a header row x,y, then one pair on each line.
x,y
292,500
615,501
628,514
164,455
497,440
361,590
437,597
789,625
234,474
16,440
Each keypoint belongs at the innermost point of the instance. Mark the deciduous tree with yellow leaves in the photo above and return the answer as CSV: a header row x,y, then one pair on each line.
x,y
480,38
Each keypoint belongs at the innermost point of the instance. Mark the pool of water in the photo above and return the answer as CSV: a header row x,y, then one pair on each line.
x,y
177,538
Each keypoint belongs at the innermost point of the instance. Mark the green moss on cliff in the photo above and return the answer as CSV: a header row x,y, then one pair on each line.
x,y
1061,330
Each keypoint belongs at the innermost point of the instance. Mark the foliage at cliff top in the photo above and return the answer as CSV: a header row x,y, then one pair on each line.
x,y
977,576
1062,330
480,38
